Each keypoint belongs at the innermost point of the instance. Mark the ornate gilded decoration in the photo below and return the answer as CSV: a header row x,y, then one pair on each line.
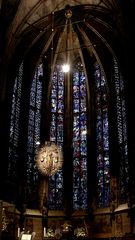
x,y
49,159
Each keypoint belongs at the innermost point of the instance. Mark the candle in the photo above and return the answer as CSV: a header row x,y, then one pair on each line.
x,y
18,234
44,232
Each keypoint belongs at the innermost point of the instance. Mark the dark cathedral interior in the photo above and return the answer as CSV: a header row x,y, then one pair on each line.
x,y
67,119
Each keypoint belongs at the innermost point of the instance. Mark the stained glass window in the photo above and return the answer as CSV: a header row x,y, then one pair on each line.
x,y
55,199
79,141
34,129
122,132
102,139
14,125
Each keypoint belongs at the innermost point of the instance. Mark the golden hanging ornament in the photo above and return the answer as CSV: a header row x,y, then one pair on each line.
x,y
49,159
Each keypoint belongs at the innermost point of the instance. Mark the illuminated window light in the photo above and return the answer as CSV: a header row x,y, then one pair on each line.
x,y
66,68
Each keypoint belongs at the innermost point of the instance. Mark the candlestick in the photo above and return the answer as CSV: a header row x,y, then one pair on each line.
x,y
44,232
18,232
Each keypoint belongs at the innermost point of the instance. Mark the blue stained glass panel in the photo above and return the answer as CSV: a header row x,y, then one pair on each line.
x,y
14,126
56,136
122,132
76,106
102,139
79,141
33,131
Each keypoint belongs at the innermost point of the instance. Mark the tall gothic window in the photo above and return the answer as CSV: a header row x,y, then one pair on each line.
x,y
102,139
14,126
122,132
34,130
79,140
56,136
